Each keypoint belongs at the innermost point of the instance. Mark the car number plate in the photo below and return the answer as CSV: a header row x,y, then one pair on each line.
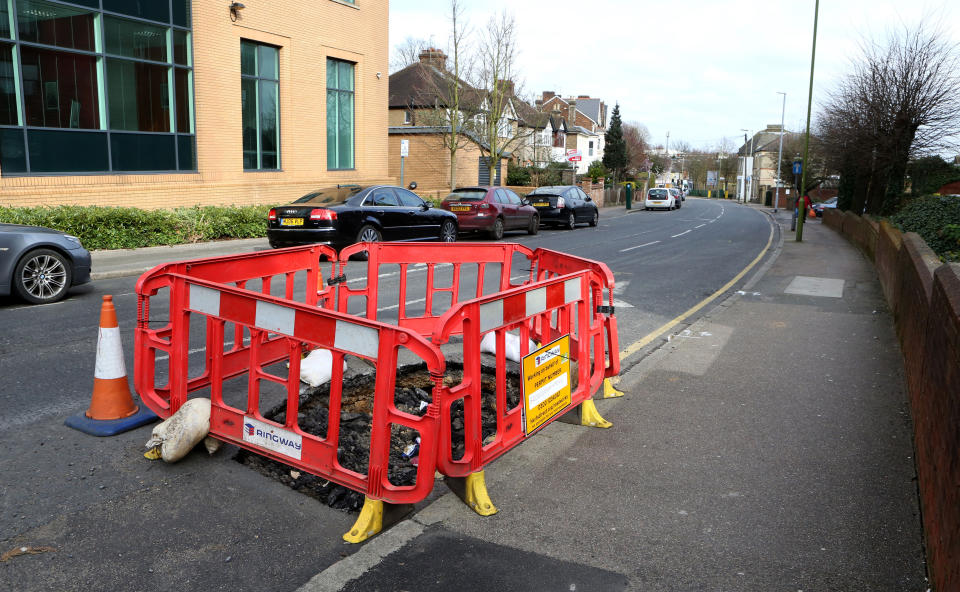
x,y
291,222
460,208
541,204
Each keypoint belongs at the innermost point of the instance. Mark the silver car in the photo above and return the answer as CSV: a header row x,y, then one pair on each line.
x,y
40,264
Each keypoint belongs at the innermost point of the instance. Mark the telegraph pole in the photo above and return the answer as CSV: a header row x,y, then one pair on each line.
x,y
806,148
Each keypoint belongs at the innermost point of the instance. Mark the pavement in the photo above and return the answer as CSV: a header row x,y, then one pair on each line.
x,y
766,446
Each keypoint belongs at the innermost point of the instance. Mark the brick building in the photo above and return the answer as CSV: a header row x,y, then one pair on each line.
x,y
176,103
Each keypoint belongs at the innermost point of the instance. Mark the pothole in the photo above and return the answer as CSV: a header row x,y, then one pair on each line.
x,y
413,392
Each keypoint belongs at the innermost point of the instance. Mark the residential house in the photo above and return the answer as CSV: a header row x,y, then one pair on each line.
x,y
585,124
421,113
760,155
180,102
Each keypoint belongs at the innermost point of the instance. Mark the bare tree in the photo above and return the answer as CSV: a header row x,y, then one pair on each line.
x,y
407,53
497,79
637,137
902,100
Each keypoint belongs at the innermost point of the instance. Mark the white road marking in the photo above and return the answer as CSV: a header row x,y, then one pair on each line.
x,y
681,234
638,246
701,226
621,304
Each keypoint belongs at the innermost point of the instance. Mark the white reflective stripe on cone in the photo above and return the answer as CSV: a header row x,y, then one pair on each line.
x,y
109,354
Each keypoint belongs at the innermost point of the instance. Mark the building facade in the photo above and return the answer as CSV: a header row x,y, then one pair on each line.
x,y
177,103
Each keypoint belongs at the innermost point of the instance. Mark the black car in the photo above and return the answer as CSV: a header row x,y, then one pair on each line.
x,y
40,264
344,215
565,205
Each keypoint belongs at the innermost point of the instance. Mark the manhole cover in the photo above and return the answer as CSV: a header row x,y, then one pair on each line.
x,y
815,286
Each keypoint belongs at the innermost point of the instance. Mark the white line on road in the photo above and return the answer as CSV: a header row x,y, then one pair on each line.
x,y
638,246
701,226
681,234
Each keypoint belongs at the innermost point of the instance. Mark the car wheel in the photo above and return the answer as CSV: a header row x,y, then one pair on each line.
x,y
534,225
42,276
496,233
571,221
448,232
367,234
595,219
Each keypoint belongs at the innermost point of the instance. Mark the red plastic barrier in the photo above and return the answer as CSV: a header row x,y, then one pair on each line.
x,y
553,295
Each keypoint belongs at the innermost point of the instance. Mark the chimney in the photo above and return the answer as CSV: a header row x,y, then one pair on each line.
x,y
434,57
584,97
548,94
507,86
572,112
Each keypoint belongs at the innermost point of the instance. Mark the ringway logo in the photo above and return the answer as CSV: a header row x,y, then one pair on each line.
x,y
272,438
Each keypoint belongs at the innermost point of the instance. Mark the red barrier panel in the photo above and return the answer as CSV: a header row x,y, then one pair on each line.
x,y
242,331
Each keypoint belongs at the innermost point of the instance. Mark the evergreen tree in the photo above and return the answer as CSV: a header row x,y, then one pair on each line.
x,y
614,146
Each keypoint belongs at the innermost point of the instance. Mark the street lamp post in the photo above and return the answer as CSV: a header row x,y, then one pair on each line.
x,y
776,203
747,191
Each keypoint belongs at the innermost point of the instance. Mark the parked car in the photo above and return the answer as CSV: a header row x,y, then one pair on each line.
x,y
659,198
824,205
565,205
40,264
491,210
677,197
347,214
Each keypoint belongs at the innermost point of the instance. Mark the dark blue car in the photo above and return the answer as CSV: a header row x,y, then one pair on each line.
x,y
40,264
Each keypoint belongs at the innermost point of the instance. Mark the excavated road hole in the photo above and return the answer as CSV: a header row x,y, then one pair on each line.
x,y
413,392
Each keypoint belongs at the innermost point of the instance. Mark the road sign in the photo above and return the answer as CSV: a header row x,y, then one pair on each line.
x,y
797,167
711,178
404,148
546,383
574,155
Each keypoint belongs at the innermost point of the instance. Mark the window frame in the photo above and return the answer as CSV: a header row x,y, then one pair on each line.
x,y
258,79
353,118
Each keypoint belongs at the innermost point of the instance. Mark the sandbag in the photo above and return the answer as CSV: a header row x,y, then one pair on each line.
x,y
317,367
174,437
511,344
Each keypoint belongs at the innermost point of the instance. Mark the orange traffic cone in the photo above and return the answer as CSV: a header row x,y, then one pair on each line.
x,y
111,394
112,409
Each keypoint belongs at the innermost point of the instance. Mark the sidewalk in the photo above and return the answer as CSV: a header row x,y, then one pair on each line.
x,y
766,447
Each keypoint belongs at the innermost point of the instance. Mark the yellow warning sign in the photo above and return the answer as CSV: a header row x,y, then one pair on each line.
x,y
546,383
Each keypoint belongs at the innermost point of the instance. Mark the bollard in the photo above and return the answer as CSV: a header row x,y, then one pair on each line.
x,y
629,195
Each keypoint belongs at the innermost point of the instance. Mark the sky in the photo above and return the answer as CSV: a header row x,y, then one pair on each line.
x,y
700,70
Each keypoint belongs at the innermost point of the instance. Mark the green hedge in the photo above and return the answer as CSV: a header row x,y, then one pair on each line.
x,y
127,228
934,218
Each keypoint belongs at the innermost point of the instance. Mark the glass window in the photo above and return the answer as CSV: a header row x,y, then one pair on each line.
x,y
384,197
96,65
9,114
56,24
339,114
143,152
183,90
181,13
181,48
54,151
408,198
4,20
260,105
152,10
138,94
135,39
13,158
60,89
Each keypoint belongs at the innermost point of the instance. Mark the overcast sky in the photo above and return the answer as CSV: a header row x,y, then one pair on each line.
x,y
698,69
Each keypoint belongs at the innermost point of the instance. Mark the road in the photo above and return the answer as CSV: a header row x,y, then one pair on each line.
x,y
57,480
664,263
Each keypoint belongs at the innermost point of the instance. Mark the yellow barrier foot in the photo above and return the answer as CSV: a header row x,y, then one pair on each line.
x,y
589,416
609,392
472,489
369,522
152,454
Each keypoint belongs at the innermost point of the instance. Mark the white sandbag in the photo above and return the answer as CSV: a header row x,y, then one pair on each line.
x,y
211,444
317,367
511,343
174,437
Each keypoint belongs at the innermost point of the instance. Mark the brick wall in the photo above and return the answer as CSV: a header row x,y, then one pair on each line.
x,y
924,295
307,34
